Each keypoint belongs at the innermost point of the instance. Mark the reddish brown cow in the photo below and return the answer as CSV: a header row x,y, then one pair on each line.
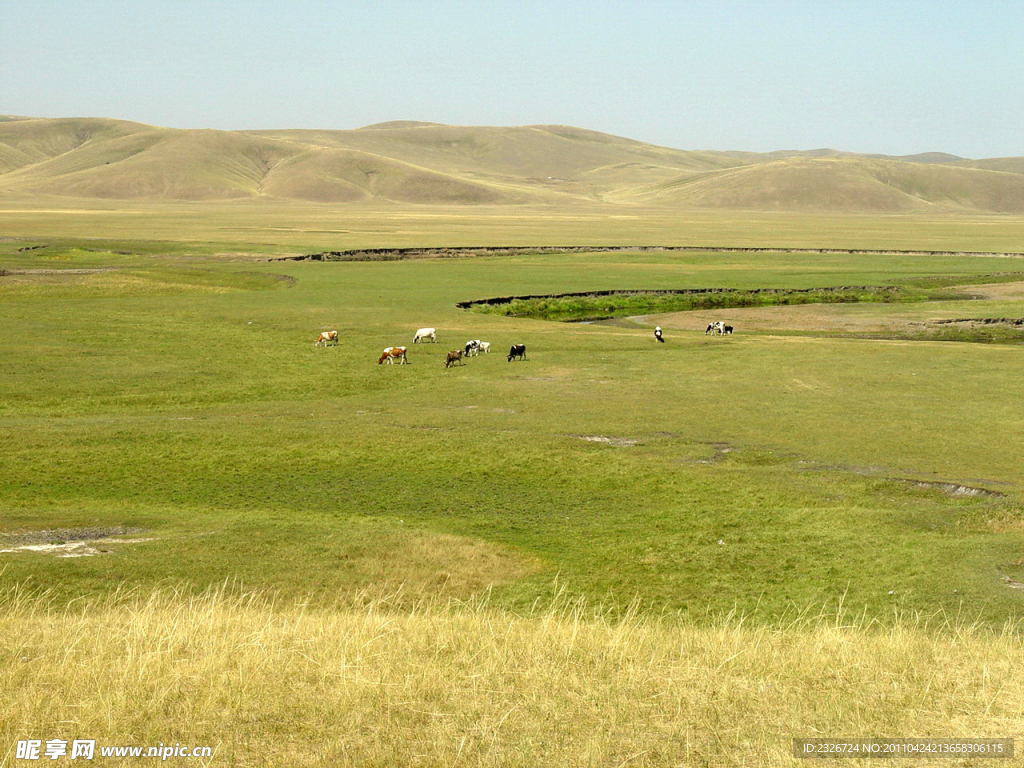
x,y
391,354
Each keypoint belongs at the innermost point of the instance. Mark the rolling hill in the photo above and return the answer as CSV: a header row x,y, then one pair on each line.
x,y
845,184
428,163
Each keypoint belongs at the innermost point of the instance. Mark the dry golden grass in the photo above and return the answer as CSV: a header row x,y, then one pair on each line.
x,y
32,284
103,283
422,564
473,165
846,184
996,290
254,229
466,685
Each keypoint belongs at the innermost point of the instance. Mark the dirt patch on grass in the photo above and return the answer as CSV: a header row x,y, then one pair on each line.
x,y
68,542
721,451
977,322
618,442
954,489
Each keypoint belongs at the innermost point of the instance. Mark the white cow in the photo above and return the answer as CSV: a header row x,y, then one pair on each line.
x,y
485,347
425,333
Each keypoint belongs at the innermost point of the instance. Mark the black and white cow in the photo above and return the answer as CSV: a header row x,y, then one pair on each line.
x,y
517,351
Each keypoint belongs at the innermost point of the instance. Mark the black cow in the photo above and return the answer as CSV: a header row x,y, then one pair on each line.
x,y
517,350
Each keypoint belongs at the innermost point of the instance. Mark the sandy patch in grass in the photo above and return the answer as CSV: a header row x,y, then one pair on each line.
x,y
996,290
618,442
75,548
954,489
68,542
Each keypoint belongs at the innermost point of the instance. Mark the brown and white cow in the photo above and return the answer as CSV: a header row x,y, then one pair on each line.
x,y
391,354
327,337
455,356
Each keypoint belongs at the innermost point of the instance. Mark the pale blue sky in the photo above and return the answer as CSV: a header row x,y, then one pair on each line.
x,y
865,76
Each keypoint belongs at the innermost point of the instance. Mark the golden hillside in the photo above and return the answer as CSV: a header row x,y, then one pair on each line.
x,y
429,163
844,184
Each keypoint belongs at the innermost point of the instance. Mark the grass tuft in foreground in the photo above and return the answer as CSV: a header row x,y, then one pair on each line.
x,y
465,684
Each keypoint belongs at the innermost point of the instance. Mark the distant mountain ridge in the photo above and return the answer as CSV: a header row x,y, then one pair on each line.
x,y
431,164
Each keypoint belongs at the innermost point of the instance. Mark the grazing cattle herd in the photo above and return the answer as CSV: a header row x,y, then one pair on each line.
x,y
475,347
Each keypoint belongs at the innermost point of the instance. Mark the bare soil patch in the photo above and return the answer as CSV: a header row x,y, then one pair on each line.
x,y
618,442
68,542
955,489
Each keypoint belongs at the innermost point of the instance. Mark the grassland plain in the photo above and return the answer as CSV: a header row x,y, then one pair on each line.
x,y
180,393
244,228
199,407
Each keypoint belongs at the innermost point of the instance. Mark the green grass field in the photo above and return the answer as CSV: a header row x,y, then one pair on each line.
x,y
159,375
187,399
